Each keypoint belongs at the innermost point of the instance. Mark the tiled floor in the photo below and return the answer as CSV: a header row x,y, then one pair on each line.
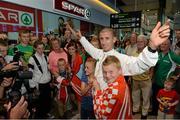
x,y
138,116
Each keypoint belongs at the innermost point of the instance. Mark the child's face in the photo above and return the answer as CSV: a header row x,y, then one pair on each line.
x,y
89,68
111,72
40,49
24,37
61,65
168,85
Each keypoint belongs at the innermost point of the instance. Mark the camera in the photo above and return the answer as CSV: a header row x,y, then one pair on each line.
x,y
19,73
15,96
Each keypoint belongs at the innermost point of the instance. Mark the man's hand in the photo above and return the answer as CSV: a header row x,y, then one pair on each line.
x,y
19,111
159,35
6,82
11,66
76,33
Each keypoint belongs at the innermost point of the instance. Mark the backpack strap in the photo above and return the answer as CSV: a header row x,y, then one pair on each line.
x,y
37,63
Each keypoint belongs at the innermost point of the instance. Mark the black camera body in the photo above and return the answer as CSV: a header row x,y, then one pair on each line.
x,y
18,73
31,98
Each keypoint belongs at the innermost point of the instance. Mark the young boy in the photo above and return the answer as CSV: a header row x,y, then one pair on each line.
x,y
168,99
63,79
27,51
114,101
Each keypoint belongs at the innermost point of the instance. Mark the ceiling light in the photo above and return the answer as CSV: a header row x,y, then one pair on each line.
x,y
105,6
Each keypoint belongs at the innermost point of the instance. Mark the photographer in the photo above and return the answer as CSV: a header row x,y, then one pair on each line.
x,y
20,109
6,82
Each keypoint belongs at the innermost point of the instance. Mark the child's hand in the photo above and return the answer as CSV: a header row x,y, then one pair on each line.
x,y
170,104
92,79
96,84
68,68
90,84
56,74
165,104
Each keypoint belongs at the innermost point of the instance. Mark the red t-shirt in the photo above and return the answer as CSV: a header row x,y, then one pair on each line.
x,y
167,97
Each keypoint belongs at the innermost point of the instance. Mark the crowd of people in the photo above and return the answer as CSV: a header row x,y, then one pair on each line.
x,y
95,78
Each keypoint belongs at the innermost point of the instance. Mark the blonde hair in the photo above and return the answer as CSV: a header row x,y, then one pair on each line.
x,y
171,79
112,60
23,32
61,60
108,30
94,38
91,60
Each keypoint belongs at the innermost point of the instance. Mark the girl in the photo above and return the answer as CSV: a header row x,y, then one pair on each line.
x,y
76,63
87,111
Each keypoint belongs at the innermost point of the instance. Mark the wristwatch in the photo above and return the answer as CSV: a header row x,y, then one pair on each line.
x,y
151,50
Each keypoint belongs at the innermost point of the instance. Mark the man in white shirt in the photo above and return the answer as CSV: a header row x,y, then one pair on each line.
x,y
130,65
41,79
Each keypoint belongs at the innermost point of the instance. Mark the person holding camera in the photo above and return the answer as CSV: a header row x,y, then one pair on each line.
x,y
20,109
38,64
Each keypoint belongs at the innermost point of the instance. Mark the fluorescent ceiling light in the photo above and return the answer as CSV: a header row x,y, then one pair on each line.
x,y
105,6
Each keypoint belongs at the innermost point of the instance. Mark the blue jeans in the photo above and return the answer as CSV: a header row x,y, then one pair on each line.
x,y
87,114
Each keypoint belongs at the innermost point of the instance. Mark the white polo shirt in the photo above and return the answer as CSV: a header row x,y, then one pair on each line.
x,y
130,65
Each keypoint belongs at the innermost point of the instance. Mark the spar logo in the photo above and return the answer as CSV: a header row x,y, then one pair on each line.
x,y
15,17
87,13
76,9
26,19
71,8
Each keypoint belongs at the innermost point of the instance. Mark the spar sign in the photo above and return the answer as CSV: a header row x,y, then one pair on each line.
x,y
16,17
72,8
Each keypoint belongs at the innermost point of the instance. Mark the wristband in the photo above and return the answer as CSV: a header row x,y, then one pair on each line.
x,y
151,50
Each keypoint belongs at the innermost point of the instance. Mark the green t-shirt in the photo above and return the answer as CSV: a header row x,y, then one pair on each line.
x,y
165,66
27,51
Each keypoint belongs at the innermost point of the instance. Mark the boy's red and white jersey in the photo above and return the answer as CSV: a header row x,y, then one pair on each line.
x,y
113,102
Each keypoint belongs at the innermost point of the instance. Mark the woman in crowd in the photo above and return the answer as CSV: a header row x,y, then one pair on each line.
x,y
76,63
